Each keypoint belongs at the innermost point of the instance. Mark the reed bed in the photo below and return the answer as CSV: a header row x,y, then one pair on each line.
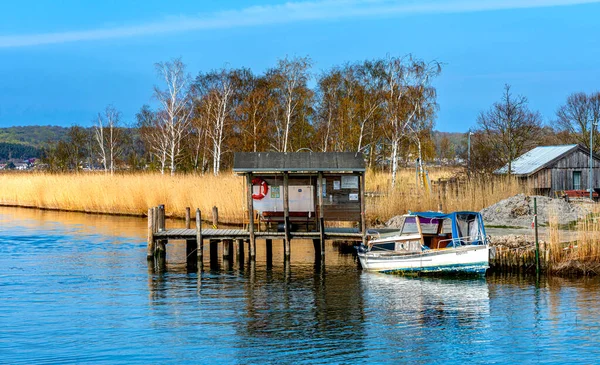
x,y
132,194
467,194
581,256
129,194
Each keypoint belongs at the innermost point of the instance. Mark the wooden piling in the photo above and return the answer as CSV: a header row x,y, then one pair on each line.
x,y
317,246
252,245
214,252
160,250
190,245
269,248
239,251
215,217
363,214
199,240
227,249
150,248
286,215
321,221
187,218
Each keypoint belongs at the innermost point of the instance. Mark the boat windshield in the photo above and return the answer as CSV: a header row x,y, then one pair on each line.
x,y
428,225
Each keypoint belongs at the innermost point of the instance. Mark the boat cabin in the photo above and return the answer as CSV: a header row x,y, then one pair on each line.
x,y
432,231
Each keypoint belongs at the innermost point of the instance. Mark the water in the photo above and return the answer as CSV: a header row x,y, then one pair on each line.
x,y
76,289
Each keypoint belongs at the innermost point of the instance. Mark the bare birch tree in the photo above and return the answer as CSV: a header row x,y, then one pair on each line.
x,y
109,137
154,135
176,106
290,78
215,90
406,81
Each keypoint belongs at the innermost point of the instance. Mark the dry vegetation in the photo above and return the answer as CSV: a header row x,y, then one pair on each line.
x,y
124,193
134,193
474,194
582,255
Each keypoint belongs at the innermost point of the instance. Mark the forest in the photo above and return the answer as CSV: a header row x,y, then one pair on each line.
x,y
385,108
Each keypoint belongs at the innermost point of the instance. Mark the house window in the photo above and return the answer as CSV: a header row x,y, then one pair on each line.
x,y
576,180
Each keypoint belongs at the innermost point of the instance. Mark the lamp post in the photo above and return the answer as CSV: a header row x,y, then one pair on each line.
x,y
469,154
591,174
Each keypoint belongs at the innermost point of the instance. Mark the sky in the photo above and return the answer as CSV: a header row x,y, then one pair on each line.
x,y
62,62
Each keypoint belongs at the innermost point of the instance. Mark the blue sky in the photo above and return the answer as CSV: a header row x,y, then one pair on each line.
x,y
63,62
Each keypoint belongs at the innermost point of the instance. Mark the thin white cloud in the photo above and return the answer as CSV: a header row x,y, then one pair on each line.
x,y
290,12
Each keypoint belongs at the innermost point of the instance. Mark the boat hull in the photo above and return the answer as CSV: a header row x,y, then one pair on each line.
x,y
464,259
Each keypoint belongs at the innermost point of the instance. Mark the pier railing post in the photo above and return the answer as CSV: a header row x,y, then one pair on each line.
x,y
321,217
199,240
191,245
151,229
252,245
160,249
215,217
286,214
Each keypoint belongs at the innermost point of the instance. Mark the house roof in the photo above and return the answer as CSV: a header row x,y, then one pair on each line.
x,y
298,161
537,159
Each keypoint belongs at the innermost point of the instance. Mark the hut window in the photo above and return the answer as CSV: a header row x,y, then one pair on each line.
x,y
576,180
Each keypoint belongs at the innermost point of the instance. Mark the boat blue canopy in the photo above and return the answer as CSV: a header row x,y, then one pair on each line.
x,y
455,217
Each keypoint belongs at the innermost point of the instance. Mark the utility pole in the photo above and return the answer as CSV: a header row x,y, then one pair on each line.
x,y
469,154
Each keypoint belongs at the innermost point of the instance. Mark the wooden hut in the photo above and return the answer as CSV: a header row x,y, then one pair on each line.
x,y
552,169
303,191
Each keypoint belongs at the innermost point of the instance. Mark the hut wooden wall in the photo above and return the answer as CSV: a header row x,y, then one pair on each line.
x,y
562,171
337,205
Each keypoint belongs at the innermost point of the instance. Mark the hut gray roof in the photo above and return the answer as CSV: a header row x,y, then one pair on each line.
x,y
298,161
537,159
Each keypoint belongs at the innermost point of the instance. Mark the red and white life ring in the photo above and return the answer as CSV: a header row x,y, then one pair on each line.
x,y
263,188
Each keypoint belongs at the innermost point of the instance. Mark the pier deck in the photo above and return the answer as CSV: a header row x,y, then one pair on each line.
x,y
349,234
232,240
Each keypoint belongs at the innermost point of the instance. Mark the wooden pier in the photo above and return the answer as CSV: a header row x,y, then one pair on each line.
x,y
159,236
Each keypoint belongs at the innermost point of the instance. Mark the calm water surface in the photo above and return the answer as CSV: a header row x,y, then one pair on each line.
x,y
76,289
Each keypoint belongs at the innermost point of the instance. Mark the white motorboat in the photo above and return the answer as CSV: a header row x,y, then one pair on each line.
x,y
429,242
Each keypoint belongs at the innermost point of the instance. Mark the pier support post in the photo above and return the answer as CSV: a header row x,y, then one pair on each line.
x,y
239,251
215,217
188,219
160,251
214,253
151,229
363,216
321,247
286,214
317,246
252,245
269,247
199,240
227,248
190,245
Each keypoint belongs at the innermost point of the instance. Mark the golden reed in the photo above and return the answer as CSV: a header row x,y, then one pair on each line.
x,y
132,194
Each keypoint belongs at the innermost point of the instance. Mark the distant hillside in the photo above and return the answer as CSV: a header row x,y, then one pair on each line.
x,y
17,151
34,136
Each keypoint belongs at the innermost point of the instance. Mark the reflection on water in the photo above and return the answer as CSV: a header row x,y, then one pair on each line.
x,y
69,294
